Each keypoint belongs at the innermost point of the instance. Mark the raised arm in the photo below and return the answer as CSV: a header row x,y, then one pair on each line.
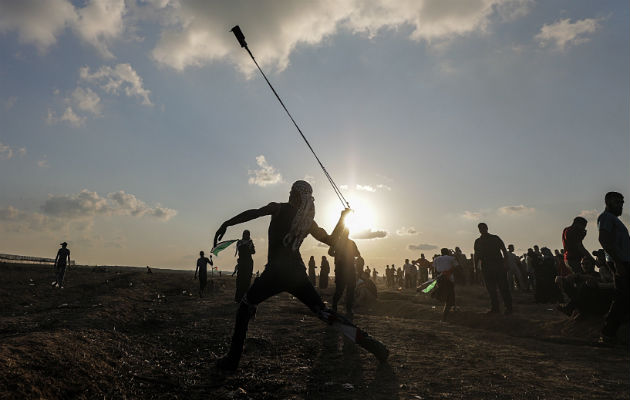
x,y
245,216
320,233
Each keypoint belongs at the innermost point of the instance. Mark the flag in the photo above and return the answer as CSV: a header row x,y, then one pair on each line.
x,y
221,246
430,287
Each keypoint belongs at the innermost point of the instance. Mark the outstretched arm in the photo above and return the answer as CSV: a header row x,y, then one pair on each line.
x,y
245,216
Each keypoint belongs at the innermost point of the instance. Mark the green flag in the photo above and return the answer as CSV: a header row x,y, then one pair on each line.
x,y
221,246
430,287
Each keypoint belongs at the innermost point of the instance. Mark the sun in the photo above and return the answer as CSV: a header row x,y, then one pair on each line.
x,y
363,216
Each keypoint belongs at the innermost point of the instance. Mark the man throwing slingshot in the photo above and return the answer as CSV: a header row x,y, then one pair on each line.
x,y
285,271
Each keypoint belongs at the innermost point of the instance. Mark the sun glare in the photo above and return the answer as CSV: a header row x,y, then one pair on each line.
x,y
363,216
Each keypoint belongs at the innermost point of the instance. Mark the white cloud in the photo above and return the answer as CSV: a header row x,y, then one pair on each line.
x,y
86,100
265,175
369,234
422,246
343,187
121,77
196,31
564,33
71,117
87,204
383,187
99,22
404,231
365,188
516,210
589,214
36,22
7,152
41,22
471,215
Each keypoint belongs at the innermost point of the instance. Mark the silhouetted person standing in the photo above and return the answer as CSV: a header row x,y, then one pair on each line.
x,y
514,269
61,261
345,251
323,273
245,265
574,250
202,268
490,250
614,238
311,270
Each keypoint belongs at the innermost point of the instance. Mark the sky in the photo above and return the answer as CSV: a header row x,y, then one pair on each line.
x,y
133,129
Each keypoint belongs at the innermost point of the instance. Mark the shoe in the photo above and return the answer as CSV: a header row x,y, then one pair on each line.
x,y
227,363
53,284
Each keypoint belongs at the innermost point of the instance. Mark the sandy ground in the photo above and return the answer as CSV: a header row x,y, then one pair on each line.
x,y
118,332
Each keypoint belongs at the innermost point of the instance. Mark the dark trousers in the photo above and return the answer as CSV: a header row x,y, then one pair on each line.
x,y
495,277
243,278
345,279
620,306
288,277
203,279
60,273
448,288
323,280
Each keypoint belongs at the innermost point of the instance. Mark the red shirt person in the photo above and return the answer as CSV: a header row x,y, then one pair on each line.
x,y
574,250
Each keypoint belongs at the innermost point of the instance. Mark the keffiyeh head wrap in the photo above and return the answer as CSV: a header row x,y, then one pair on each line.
x,y
303,219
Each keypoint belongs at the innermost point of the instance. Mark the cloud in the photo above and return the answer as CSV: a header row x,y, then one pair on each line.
x,y
87,100
68,116
471,215
99,22
564,33
404,231
422,246
343,187
7,152
265,175
383,187
40,23
516,210
589,214
195,32
43,163
365,188
113,80
36,22
369,234
9,213
88,204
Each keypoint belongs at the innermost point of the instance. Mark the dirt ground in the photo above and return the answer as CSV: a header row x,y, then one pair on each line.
x,y
117,332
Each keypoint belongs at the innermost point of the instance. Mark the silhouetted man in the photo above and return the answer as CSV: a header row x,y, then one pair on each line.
x,y
311,270
285,271
202,268
614,238
61,261
490,250
245,265
323,273
345,251
574,250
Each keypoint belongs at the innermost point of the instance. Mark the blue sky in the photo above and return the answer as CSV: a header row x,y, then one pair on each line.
x,y
133,129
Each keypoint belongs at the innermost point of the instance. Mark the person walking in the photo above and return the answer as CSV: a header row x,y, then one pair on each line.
x,y
311,270
491,252
574,250
61,262
202,268
345,251
323,273
245,264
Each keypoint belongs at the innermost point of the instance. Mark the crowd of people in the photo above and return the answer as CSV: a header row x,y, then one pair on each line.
x,y
580,282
